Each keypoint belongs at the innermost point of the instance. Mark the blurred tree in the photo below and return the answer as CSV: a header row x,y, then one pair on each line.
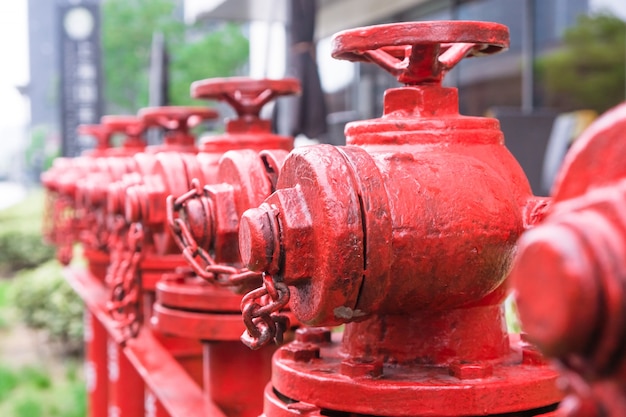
x,y
127,28
589,71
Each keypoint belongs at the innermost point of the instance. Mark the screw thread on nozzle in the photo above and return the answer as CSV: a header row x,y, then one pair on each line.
x,y
258,238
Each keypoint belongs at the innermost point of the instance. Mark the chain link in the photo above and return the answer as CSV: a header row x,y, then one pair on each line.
x,y
64,228
260,309
94,230
49,216
117,248
198,258
124,305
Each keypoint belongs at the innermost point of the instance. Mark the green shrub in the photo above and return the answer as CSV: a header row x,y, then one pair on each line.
x,y
4,303
21,245
45,301
36,377
27,407
32,391
8,382
75,405
20,250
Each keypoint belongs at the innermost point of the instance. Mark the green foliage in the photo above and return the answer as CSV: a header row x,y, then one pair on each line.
x,y
38,155
31,391
4,293
45,301
8,381
27,407
588,72
20,235
127,30
36,377
5,287
217,54
511,315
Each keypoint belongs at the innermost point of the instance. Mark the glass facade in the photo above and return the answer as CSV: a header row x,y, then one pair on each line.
x,y
485,82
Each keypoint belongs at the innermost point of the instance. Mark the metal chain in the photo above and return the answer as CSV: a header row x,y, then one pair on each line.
x,y
125,306
117,248
261,306
64,228
49,217
92,222
197,257
102,231
260,309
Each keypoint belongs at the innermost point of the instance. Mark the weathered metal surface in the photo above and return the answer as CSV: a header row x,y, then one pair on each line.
x,y
142,193
62,219
92,187
406,235
201,306
570,272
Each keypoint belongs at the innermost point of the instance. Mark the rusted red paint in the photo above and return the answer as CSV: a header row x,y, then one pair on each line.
x,y
238,162
123,201
569,273
65,218
406,235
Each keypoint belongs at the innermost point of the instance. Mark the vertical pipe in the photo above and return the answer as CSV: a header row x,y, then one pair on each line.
x,y
528,54
236,377
96,366
126,388
152,406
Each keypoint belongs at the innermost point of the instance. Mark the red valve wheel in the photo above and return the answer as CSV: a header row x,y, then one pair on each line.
x,y
417,52
246,95
101,133
131,125
176,117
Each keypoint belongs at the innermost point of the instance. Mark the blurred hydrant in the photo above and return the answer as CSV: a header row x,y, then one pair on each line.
x,y
84,184
406,235
570,272
131,275
62,222
202,305
91,187
129,268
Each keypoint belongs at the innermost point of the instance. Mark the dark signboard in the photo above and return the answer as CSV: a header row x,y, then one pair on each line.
x,y
81,73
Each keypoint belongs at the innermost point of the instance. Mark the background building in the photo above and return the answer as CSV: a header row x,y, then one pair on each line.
x,y
505,85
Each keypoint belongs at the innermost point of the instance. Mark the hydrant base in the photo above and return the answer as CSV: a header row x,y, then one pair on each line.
x,y
414,390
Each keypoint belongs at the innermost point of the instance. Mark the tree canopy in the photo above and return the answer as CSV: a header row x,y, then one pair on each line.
x,y
589,71
194,52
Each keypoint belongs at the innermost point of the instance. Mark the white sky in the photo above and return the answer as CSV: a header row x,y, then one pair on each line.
x,y
13,61
14,55
617,7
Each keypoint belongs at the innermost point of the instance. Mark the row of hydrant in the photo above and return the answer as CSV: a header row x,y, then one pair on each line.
x,y
239,277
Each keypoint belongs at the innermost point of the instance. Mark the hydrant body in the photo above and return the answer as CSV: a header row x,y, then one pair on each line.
x,y
61,182
189,306
91,189
406,235
569,272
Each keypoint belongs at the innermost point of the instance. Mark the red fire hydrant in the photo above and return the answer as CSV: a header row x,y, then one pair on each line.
x,y
104,162
177,151
91,189
61,221
130,278
58,217
203,307
570,272
406,235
